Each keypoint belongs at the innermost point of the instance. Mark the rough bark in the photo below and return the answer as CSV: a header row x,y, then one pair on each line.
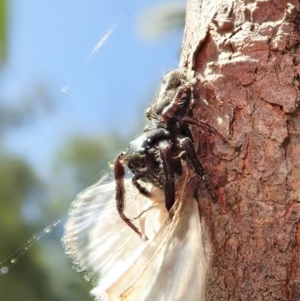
x,y
246,57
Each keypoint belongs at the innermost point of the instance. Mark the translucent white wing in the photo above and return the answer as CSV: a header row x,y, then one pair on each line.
x,y
172,267
169,266
97,239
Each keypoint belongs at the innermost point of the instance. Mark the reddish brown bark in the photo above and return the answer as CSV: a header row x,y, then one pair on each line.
x,y
247,57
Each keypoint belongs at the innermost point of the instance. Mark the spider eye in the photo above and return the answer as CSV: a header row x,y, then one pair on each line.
x,y
137,163
140,164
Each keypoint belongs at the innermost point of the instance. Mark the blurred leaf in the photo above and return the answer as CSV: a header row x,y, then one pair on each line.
x,y
83,158
16,181
161,19
37,275
32,102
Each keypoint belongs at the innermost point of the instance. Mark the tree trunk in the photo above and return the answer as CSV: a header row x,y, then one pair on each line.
x,y
246,57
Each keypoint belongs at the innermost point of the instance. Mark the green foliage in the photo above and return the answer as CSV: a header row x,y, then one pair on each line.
x,y
161,19
43,272
82,158
16,181
26,278
34,101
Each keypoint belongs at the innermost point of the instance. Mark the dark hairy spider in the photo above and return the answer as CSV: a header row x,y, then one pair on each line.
x,y
157,155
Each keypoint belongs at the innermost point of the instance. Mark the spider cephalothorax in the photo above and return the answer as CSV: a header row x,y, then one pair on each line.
x,y
156,157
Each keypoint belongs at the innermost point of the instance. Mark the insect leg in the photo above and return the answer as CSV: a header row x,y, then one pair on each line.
x,y
187,145
119,174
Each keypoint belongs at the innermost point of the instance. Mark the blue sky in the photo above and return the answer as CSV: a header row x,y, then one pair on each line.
x,y
50,44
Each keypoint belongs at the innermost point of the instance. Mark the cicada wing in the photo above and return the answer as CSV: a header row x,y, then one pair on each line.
x,y
169,266
172,267
97,239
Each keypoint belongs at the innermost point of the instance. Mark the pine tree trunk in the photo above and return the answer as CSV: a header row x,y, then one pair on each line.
x,y
246,57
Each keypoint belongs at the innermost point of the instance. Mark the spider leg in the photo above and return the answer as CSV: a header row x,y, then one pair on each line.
x,y
119,174
180,100
165,154
205,126
143,190
187,144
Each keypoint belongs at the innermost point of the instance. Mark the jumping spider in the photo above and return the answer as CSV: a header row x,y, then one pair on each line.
x,y
157,155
